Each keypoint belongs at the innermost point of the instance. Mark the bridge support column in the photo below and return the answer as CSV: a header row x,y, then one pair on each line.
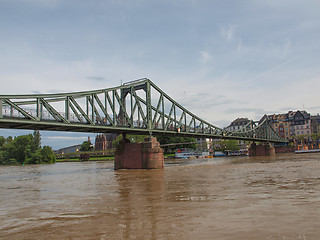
x,y
145,155
1,108
264,149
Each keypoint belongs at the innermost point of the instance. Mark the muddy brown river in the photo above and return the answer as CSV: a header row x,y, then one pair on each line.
x,y
223,198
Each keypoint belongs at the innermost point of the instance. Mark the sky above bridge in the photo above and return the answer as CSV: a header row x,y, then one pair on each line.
x,y
219,59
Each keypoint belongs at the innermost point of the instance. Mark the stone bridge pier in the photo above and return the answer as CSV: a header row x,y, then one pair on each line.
x,y
144,155
263,149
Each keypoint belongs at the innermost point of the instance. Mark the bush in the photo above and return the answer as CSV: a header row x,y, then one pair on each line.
x,y
48,155
84,156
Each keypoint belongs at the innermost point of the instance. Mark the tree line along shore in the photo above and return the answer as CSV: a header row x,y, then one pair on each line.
x,y
25,149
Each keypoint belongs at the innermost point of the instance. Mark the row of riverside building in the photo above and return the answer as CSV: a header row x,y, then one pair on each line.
x,y
290,125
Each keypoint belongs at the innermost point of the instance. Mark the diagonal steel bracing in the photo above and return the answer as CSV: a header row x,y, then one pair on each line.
x,y
137,107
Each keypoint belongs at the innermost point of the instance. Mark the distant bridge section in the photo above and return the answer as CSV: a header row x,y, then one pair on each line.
x,y
137,107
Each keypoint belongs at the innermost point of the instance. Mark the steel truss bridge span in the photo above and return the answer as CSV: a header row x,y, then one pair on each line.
x,y
137,107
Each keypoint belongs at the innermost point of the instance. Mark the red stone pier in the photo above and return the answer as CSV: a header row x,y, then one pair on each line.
x,y
263,149
144,155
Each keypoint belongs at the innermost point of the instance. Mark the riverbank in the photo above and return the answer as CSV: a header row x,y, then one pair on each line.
x,y
99,158
91,159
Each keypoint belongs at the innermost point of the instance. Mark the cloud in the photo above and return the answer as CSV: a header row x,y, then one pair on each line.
x,y
245,110
228,32
205,57
269,71
314,107
38,3
96,78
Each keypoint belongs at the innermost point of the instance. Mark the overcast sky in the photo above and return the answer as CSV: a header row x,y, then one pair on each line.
x,y
221,59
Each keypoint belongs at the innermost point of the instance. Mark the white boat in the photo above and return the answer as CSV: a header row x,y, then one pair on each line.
x,y
187,153
241,152
184,153
307,151
219,154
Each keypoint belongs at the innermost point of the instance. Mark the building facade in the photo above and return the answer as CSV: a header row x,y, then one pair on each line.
x,y
292,124
280,124
300,123
100,143
71,149
204,144
237,124
104,141
315,124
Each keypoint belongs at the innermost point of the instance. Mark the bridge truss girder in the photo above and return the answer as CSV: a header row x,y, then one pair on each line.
x,y
137,107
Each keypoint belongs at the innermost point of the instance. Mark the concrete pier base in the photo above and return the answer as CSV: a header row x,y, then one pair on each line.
x,y
145,155
264,149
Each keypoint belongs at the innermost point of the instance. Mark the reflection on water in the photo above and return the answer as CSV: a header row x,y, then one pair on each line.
x,y
223,198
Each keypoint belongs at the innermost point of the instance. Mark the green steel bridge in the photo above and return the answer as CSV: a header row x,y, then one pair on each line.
x,y
137,107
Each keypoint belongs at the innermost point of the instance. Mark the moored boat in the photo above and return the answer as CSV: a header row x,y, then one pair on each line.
x,y
307,151
188,153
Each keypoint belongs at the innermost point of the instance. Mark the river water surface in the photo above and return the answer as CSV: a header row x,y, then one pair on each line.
x,y
223,198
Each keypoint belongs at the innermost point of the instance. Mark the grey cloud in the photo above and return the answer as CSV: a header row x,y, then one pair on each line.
x,y
314,107
245,110
96,78
197,100
56,91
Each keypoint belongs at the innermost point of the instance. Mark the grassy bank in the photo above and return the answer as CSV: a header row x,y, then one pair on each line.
x,y
98,158
93,158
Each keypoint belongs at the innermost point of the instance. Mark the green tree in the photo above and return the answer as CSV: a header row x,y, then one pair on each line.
x,y
1,157
2,143
19,148
9,139
131,138
86,146
48,155
232,145
25,149
315,137
34,157
172,143
36,141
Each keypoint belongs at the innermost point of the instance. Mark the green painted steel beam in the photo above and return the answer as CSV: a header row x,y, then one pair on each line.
x,y
140,107
19,109
80,110
55,126
52,111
